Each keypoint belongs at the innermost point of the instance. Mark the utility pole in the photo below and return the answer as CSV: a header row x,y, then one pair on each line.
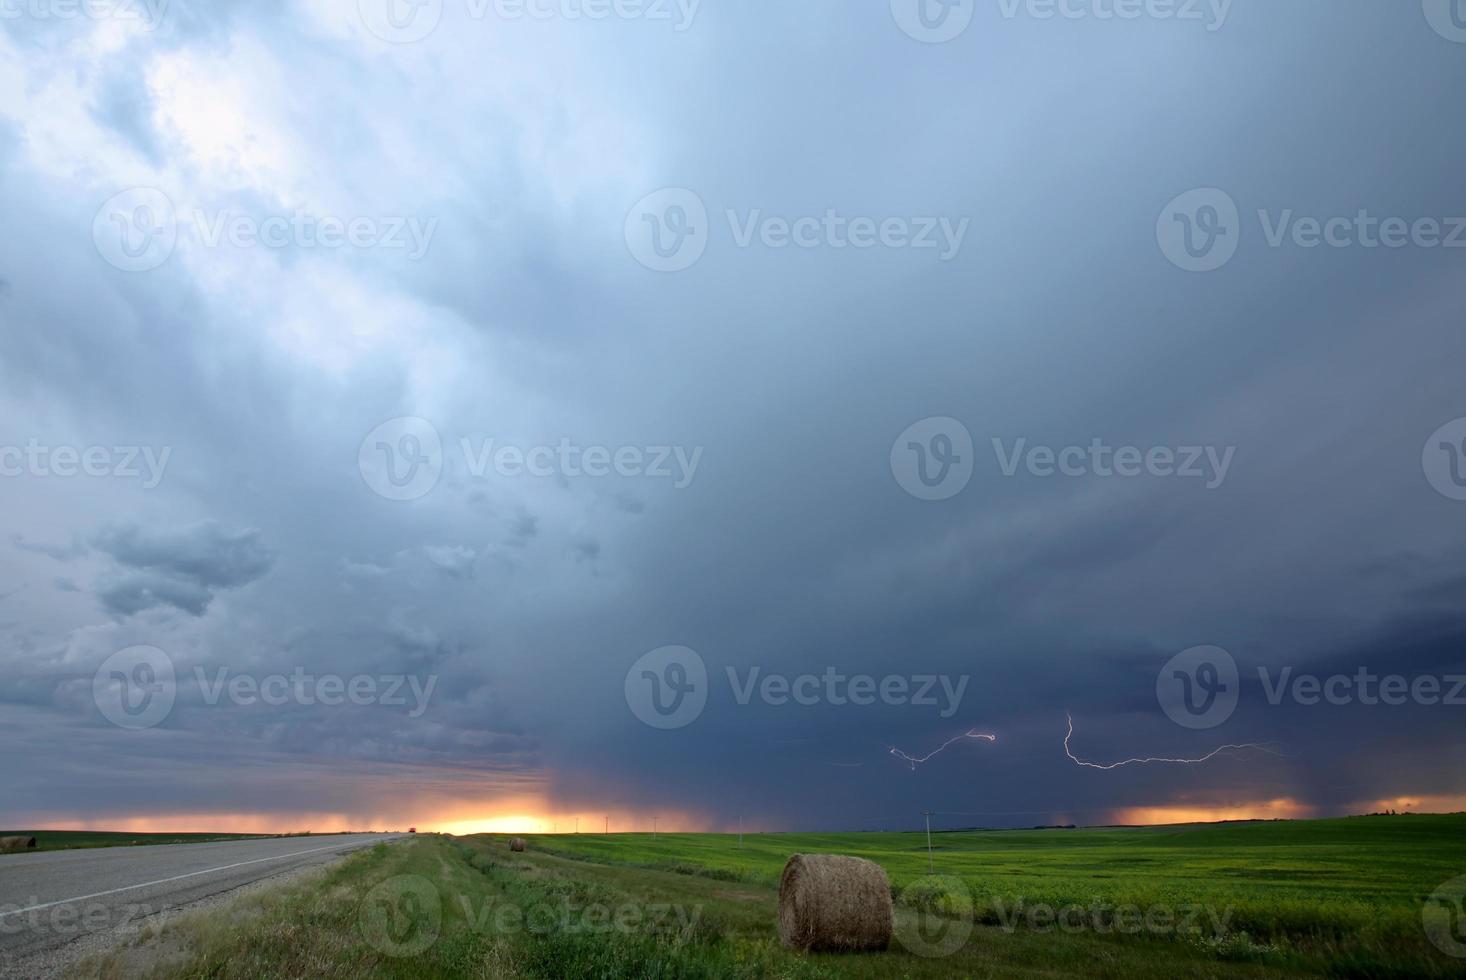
x,y
577,825
740,831
608,826
654,826
928,815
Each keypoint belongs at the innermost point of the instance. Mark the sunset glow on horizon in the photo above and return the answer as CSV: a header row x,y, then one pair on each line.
x,y
522,820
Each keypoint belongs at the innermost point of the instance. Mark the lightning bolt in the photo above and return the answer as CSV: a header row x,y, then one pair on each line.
x,y
914,762
1187,762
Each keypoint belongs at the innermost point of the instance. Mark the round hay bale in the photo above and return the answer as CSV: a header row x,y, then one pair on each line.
x,y
11,844
832,903
517,844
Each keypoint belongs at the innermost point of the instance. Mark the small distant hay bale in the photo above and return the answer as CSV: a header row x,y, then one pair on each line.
x,y
9,845
517,844
832,903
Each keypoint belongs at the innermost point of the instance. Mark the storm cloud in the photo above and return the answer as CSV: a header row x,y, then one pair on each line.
x,y
200,258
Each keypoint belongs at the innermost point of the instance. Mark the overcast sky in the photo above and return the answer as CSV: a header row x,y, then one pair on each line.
x,y
472,352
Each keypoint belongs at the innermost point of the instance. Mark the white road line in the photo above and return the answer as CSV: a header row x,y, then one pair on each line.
x,y
164,881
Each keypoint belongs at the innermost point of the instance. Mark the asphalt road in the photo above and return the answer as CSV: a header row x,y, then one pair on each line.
x,y
56,906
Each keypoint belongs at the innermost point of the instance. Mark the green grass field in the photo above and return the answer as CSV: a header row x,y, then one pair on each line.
x,y
1322,879
1340,898
60,840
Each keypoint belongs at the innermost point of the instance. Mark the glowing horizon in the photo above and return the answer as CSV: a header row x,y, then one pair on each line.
x,y
526,821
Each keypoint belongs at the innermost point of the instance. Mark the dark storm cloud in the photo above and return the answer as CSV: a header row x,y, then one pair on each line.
x,y
794,550
202,553
182,568
132,593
